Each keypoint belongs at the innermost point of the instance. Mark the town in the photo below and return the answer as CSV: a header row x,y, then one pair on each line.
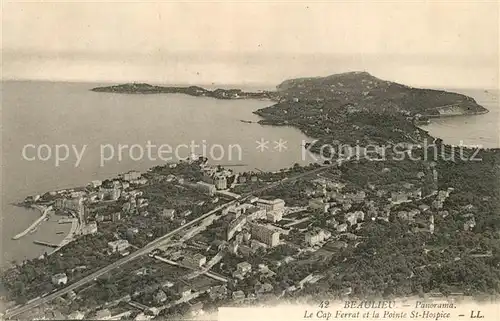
x,y
245,237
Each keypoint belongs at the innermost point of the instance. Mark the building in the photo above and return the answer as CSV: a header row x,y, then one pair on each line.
x,y
271,205
234,226
318,203
207,188
69,204
132,175
197,260
116,216
103,314
238,295
243,267
255,213
354,217
118,245
89,228
265,234
220,181
95,183
316,236
399,197
59,279
274,216
109,193
168,213
160,297
341,227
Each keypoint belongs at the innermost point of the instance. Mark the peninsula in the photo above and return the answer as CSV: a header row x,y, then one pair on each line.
x,y
142,88
356,90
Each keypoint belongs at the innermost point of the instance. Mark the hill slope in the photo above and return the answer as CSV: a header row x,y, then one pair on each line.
x,y
369,93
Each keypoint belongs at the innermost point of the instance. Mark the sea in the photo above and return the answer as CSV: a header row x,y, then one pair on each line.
x,y
105,134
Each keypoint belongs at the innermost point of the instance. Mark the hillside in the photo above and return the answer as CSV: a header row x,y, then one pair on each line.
x,y
366,92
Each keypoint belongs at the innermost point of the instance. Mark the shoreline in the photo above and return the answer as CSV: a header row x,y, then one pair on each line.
x,y
44,212
458,115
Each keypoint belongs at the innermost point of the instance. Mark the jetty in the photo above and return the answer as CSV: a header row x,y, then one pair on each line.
x,y
34,225
45,243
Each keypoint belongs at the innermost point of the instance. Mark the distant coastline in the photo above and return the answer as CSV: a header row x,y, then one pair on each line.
x,y
357,90
143,88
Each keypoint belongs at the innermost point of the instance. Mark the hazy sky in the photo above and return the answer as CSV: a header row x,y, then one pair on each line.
x,y
427,43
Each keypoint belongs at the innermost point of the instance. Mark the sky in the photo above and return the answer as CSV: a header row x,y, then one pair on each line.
x,y
422,43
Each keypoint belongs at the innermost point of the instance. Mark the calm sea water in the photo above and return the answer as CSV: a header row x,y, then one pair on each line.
x,y
68,113
480,130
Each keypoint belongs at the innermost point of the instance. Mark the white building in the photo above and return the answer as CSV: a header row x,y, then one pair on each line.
x,y
271,205
210,189
118,245
243,267
265,234
220,181
89,228
275,216
59,278
316,236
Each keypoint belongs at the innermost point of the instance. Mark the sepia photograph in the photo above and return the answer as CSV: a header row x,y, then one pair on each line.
x,y
250,160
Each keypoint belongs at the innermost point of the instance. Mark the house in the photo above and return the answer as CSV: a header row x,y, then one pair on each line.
x,y
264,288
132,230
354,217
220,182
399,197
118,245
244,267
424,207
103,314
76,315
132,175
59,279
116,216
316,236
160,297
89,228
238,295
469,224
341,227
168,213
95,183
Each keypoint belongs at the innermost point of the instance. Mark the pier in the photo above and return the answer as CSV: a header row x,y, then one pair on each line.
x,y
45,243
34,225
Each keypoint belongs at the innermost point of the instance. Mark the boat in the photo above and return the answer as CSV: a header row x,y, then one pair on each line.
x,y
246,121
58,233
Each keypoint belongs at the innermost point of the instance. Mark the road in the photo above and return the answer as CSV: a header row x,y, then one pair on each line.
x,y
148,248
